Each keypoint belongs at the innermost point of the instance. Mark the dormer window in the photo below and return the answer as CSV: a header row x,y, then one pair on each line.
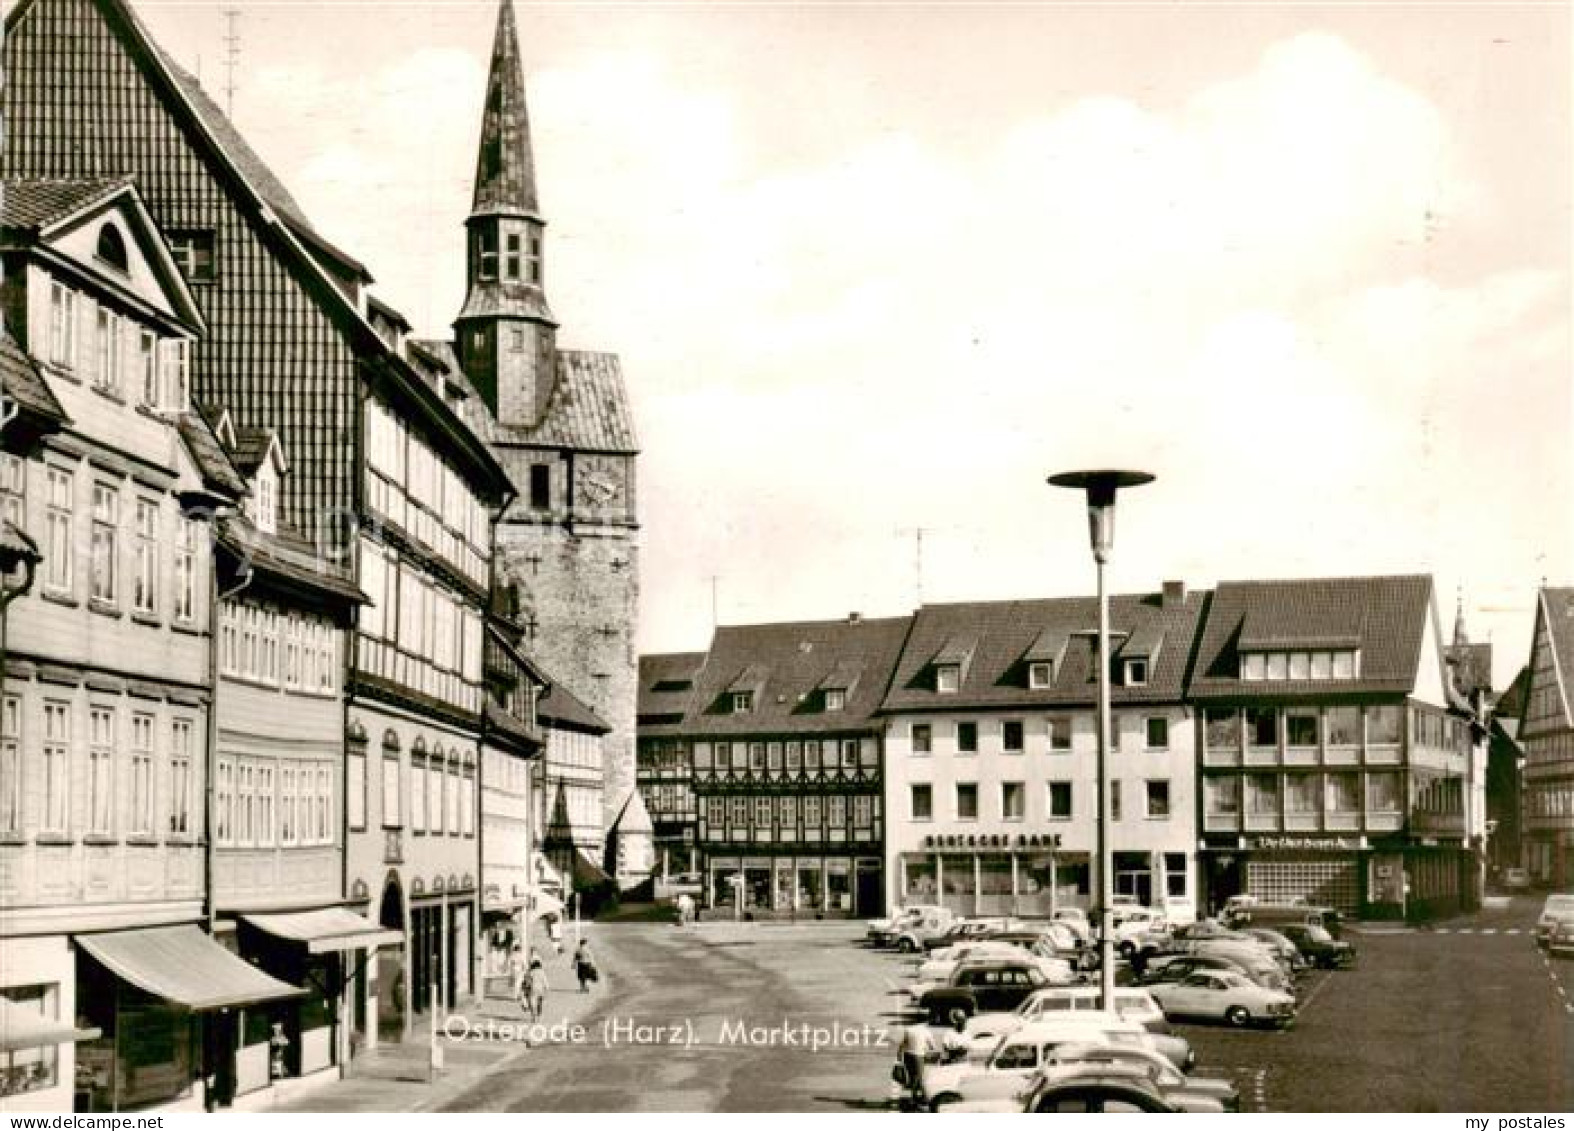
x,y
835,699
264,501
1136,673
948,678
112,248
742,702
1300,664
1040,674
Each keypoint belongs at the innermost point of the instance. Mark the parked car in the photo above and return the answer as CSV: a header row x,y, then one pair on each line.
x,y
1106,1093
1561,940
1280,946
990,985
1015,1056
962,930
1319,947
879,931
1516,879
1132,1006
1226,996
1178,912
1276,915
1161,1073
1253,962
1558,907
938,967
912,936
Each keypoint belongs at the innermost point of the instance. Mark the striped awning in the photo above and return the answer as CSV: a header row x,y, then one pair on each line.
x,y
185,966
23,1027
325,929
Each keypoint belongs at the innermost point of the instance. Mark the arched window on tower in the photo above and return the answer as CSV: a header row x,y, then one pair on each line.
x,y
486,253
112,247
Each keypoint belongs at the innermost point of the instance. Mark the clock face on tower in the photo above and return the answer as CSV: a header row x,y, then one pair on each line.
x,y
598,486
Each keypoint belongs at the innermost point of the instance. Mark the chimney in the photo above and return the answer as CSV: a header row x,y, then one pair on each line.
x,y
855,618
1174,594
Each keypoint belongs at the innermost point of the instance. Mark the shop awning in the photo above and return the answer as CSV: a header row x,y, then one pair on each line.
x,y
23,1027
325,929
185,966
547,904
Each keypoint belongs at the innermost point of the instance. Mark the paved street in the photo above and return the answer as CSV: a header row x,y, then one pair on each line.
x,y
1467,1018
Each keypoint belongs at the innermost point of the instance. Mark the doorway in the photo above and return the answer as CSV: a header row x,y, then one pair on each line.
x,y
391,989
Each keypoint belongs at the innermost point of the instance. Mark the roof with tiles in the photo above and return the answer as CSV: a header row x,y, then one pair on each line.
x,y
1557,605
25,384
666,685
286,556
588,410
1010,635
251,448
560,709
792,661
1384,618
208,454
34,204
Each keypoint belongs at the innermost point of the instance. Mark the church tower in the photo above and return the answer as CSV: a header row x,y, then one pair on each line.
x,y
560,425
506,337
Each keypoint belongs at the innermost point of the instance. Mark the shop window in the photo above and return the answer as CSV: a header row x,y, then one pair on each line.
x,y
31,1069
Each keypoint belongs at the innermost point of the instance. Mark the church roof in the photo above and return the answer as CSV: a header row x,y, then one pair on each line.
x,y
505,175
588,411
633,817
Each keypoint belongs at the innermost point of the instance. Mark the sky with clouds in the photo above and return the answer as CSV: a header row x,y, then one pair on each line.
x,y
876,269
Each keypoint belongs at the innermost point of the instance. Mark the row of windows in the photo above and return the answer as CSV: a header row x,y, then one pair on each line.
x,y
1013,801
127,538
829,699
419,615
1155,733
791,755
295,651
1549,801
1343,663
669,800
520,255
263,802
115,354
439,796
1300,793
798,817
115,766
410,484
1550,748
1225,728
657,755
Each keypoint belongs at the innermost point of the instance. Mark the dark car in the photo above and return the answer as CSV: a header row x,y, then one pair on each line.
x,y
1164,969
1093,1093
964,930
1319,947
984,987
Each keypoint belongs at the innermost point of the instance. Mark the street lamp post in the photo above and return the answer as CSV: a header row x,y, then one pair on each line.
x,y
1101,487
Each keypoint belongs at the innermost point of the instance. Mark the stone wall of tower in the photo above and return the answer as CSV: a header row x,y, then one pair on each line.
x,y
578,590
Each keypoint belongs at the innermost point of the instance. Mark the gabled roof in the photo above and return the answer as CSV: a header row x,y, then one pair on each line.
x,y
795,659
208,454
1555,608
666,684
561,709
25,384
1006,632
1384,618
319,267
36,204
252,446
634,817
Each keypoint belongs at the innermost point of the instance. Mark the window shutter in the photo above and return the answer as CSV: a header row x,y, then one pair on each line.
x,y
169,364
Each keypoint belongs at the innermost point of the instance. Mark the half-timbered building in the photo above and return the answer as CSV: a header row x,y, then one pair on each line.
x,y
390,488
1546,731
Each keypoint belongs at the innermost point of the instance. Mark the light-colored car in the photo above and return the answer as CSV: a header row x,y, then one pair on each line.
x,y
911,936
1559,906
1016,1056
939,965
1049,1005
1224,995
1067,1061
1516,879
1178,912
1561,940
879,931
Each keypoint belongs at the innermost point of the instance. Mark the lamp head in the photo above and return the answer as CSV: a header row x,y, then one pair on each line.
x,y
1101,487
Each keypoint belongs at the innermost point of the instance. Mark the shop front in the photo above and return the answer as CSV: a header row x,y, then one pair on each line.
x,y
1322,871
793,886
1031,883
31,1036
323,951
168,1004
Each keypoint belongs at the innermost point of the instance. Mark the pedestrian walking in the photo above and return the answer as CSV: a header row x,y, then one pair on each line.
x,y
533,989
584,966
555,933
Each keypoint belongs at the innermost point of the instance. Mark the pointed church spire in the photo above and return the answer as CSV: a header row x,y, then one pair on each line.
x,y
506,337
505,172
1460,636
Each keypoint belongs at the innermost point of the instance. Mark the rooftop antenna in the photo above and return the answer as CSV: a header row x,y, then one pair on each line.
x,y
715,621
231,58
